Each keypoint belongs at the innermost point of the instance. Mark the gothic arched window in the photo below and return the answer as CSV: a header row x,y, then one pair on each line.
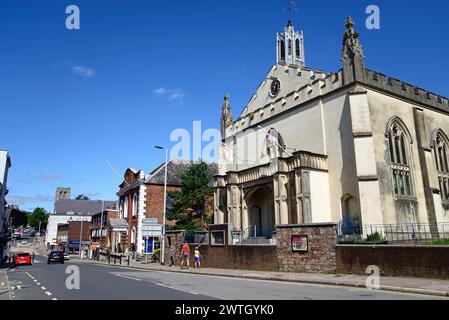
x,y
298,50
290,47
398,143
440,145
282,50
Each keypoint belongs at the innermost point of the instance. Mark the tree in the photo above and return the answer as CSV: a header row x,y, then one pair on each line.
x,y
82,197
188,205
39,215
18,218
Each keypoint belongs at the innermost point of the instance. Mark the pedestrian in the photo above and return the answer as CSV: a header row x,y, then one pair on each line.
x,y
172,254
185,254
33,255
198,257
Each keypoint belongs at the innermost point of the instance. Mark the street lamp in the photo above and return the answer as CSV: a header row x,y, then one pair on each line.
x,y
165,204
101,221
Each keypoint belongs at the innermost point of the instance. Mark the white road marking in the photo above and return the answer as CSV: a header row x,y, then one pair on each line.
x,y
173,288
126,277
34,280
19,287
43,288
38,283
54,299
48,293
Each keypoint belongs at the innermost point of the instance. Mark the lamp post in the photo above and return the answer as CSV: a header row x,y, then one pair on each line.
x,y
101,221
81,239
165,204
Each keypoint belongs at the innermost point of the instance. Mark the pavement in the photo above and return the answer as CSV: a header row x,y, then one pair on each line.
x,y
5,293
430,287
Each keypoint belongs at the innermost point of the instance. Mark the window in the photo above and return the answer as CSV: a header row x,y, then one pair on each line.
x,y
121,210
125,208
398,143
289,47
298,50
440,144
282,50
135,205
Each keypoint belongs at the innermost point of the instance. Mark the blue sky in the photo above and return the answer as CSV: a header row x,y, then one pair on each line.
x,y
136,70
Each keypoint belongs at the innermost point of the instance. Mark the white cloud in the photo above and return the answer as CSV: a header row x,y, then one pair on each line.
x,y
21,200
45,176
160,91
83,71
176,96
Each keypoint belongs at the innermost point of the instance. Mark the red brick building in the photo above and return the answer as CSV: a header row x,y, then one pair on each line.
x,y
100,228
70,234
142,197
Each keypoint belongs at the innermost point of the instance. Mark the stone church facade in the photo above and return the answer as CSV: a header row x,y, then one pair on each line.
x,y
312,147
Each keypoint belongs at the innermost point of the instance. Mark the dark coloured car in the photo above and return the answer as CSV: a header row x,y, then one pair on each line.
x,y
56,256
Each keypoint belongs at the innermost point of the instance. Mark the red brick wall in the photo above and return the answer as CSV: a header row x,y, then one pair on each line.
x,y
75,230
155,201
426,262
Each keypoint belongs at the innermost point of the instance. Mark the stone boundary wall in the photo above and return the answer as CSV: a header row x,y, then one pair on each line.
x,y
320,256
404,261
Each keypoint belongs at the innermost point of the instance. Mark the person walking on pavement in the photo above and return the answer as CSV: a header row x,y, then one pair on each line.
x,y
198,257
33,255
185,253
172,254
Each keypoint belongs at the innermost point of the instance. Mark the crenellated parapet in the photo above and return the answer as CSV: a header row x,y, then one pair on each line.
x,y
405,90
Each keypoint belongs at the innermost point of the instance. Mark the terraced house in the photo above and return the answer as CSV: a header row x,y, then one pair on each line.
x,y
314,147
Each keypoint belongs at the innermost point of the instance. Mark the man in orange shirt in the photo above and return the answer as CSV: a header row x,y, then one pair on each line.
x,y
185,254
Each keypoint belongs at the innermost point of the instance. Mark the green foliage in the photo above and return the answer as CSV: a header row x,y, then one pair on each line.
x,y
82,197
38,215
440,242
375,238
18,218
188,207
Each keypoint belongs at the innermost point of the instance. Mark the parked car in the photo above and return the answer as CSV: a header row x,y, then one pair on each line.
x,y
56,256
22,258
66,256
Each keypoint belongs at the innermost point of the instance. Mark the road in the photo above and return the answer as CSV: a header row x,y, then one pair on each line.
x,y
48,282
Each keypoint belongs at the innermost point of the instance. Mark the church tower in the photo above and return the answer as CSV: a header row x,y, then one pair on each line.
x,y
62,193
290,46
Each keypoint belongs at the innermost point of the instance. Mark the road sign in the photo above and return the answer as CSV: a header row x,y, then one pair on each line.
x,y
152,230
149,221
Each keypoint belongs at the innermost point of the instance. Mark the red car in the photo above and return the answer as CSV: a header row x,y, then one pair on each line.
x,y
22,258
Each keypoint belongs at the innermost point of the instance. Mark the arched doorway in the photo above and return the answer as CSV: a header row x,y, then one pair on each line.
x,y
260,212
255,219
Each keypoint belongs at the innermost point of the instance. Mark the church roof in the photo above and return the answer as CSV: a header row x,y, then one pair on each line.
x,y
91,207
175,170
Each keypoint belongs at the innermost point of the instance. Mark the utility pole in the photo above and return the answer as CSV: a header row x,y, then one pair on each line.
x,y
101,220
165,204
81,239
